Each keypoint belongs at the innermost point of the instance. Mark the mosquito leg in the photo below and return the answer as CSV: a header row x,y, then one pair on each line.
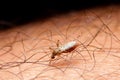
x,y
51,48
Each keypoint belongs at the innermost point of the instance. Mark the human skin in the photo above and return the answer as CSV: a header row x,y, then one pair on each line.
x,y
25,52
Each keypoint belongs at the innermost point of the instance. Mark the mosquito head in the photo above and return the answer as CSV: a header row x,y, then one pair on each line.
x,y
53,55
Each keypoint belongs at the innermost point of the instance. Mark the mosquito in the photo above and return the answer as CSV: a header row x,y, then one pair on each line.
x,y
68,47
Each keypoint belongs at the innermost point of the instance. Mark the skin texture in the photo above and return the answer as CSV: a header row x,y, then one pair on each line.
x,y
25,51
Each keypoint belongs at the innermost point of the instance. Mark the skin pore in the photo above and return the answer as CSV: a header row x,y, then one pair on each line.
x,y
25,52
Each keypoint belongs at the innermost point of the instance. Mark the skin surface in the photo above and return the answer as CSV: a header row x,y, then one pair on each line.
x,y
25,51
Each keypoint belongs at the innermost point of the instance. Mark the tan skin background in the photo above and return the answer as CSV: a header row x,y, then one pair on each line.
x,y
25,53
